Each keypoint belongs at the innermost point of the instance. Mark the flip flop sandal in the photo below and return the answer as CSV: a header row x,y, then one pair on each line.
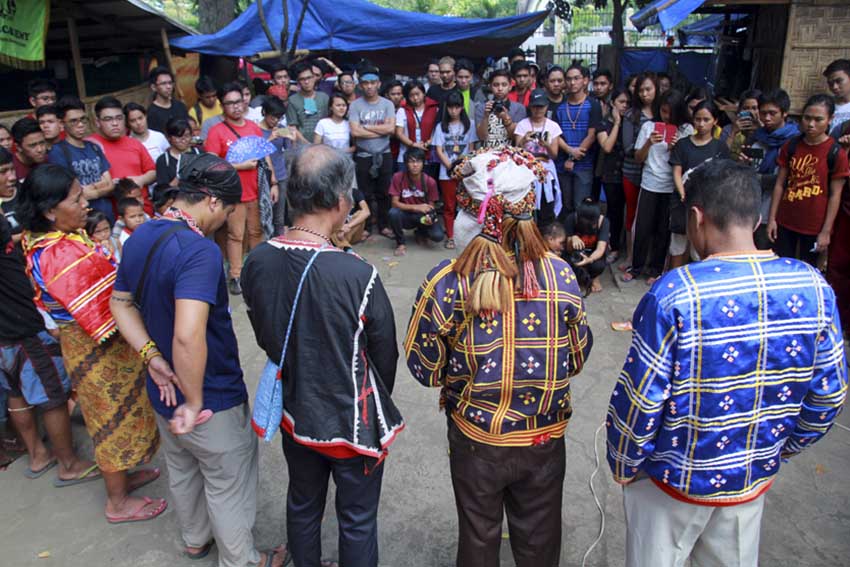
x,y
85,476
387,233
153,477
205,550
272,553
450,244
32,475
140,515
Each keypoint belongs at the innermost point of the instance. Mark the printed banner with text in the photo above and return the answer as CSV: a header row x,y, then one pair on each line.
x,y
23,29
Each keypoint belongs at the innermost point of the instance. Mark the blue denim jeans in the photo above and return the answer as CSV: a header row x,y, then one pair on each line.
x,y
576,186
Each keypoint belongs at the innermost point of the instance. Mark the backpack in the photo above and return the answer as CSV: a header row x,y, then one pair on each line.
x,y
831,156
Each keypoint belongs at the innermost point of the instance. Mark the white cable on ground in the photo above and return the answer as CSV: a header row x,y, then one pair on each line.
x,y
844,427
595,497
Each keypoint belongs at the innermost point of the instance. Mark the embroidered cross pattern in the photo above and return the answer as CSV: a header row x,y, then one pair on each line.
x,y
675,441
673,409
476,416
527,398
427,340
677,368
417,369
531,321
768,466
456,366
717,481
449,295
731,308
794,348
723,443
666,479
530,365
567,274
650,423
730,354
777,430
726,403
488,366
564,400
784,393
488,325
794,304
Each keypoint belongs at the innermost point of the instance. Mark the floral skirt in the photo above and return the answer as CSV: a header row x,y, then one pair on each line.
x,y
109,379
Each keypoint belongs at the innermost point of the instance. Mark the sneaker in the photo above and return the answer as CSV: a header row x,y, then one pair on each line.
x,y
234,287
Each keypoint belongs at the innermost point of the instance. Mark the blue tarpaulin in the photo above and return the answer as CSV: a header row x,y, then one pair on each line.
x,y
706,30
693,66
360,26
668,13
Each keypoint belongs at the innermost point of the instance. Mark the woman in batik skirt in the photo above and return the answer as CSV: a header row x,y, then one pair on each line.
x,y
73,282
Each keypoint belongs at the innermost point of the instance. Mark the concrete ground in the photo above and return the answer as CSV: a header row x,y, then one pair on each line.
x,y
806,521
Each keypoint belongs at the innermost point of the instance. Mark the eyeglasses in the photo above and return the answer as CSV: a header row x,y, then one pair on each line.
x,y
46,98
78,121
231,102
109,119
346,82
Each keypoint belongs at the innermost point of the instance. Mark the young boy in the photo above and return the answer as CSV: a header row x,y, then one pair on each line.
x,y
50,124
131,214
413,196
837,76
555,237
126,189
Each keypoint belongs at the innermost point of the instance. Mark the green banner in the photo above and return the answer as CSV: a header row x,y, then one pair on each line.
x,y
23,29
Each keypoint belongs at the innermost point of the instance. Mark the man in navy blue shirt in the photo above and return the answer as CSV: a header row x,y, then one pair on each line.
x,y
170,302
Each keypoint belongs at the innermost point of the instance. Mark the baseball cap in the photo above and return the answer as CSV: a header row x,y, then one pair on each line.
x,y
538,98
209,174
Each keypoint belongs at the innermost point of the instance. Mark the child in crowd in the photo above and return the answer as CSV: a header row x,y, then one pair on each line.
x,y
126,188
179,135
653,145
335,131
132,215
688,154
807,194
414,194
588,233
98,229
454,136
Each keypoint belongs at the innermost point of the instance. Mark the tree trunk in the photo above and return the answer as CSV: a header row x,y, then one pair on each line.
x,y
618,35
215,14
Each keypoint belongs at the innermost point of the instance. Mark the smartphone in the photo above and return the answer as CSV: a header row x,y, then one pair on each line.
x,y
755,154
745,115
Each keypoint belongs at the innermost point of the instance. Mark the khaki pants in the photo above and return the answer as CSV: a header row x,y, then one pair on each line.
x,y
213,475
243,221
664,532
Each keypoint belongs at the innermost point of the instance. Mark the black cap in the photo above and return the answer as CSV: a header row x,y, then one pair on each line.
x,y
538,98
209,174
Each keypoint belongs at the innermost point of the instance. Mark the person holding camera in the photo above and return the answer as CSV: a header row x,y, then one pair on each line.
x,y
588,233
497,117
414,195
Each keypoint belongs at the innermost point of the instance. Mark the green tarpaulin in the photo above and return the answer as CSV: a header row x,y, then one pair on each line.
x,y
23,29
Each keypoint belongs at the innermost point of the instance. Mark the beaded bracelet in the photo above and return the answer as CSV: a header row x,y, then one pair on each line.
x,y
145,350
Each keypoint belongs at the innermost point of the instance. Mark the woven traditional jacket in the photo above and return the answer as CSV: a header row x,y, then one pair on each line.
x,y
736,362
505,379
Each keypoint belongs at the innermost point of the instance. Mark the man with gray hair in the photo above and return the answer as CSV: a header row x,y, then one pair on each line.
x,y
324,317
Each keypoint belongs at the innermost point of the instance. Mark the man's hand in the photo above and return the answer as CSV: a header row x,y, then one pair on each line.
x,y
585,260
274,193
245,165
488,107
772,230
163,376
184,419
577,153
743,157
425,208
822,242
576,243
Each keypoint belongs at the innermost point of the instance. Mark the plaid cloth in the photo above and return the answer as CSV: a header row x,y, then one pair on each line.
x,y
505,379
736,363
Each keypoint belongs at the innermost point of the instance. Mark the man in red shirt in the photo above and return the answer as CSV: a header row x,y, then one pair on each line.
x,y
30,146
219,139
413,195
127,157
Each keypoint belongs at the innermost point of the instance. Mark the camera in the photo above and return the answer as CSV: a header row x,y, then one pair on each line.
x,y
498,107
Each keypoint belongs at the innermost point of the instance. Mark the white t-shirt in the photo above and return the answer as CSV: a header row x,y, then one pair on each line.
x,y
548,132
401,121
156,144
455,142
842,115
657,171
335,135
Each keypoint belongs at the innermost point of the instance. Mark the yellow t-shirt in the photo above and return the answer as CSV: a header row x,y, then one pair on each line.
x,y
205,112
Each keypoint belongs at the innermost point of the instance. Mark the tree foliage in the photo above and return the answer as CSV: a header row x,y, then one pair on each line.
x,y
461,8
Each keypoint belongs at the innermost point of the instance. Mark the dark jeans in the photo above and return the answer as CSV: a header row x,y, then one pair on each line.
x,y
526,482
788,240
616,213
405,220
652,236
575,187
375,188
357,496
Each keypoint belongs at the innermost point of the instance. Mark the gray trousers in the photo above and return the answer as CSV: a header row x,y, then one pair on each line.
x,y
213,475
664,532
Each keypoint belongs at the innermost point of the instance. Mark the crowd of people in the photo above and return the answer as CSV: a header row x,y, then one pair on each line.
x,y
123,238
